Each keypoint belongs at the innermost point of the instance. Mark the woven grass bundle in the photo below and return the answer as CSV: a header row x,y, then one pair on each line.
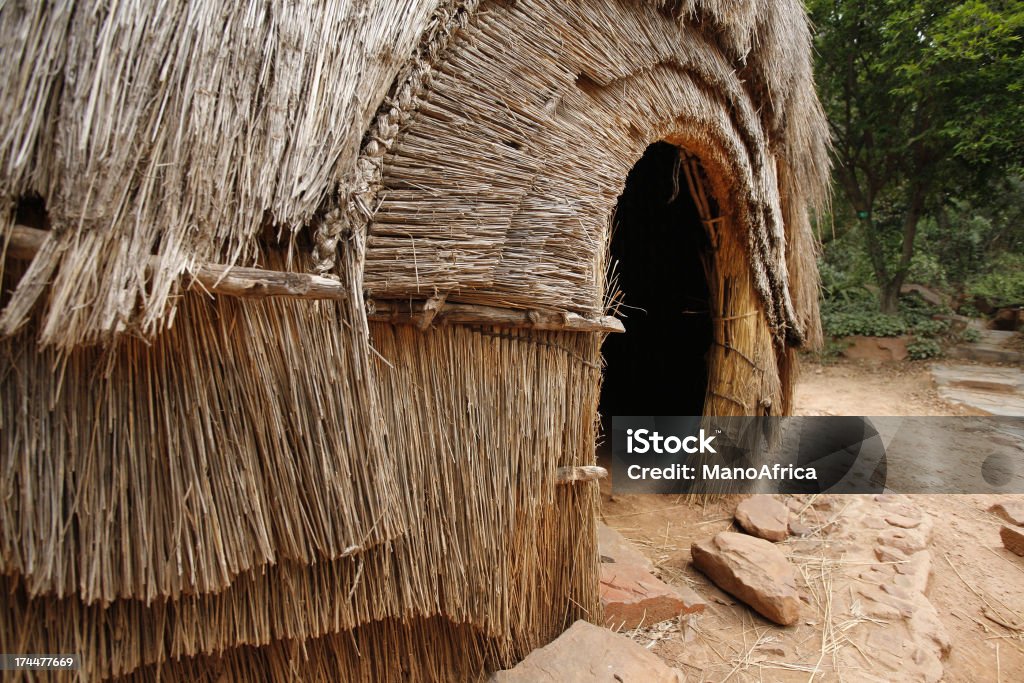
x,y
196,485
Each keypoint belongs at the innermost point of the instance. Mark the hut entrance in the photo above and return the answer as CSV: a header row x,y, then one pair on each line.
x,y
659,366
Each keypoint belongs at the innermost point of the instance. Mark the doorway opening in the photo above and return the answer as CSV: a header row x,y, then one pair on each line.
x,y
659,366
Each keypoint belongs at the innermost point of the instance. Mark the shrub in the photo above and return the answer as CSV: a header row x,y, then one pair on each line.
x,y
844,323
1003,285
922,349
930,328
970,335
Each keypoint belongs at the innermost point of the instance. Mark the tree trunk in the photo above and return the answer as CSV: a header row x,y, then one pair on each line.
x,y
889,295
889,292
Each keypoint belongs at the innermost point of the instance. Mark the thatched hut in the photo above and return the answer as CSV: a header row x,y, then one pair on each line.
x,y
303,307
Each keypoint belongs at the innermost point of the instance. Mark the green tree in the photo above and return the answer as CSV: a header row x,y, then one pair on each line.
x,y
925,99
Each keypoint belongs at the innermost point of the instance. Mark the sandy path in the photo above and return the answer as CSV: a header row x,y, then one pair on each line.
x,y
989,587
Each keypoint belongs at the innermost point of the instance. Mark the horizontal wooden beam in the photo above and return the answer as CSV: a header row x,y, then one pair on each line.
x,y
257,283
423,313
237,281
571,475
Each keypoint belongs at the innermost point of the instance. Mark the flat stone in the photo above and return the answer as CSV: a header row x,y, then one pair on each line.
x,y
1013,539
798,528
874,523
886,554
996,391
907,540
586,653
753,570
874,609
919,563
915,583
884,605
877,575
878,349
1010,510
631,596
902,522
926,625
614,547
764,517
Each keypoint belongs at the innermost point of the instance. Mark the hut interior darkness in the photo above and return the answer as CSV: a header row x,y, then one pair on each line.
x,y
303,307
658,251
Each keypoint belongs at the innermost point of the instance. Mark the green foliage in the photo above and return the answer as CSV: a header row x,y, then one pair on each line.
x,y
847,321
927,269
1003,284
860,316
970,335
922,349
968,310
925,100
930,328
917,311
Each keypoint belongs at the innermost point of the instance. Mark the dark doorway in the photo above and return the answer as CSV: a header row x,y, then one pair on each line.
x,y
659,366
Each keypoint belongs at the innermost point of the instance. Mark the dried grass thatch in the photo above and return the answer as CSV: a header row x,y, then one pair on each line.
x,y
500,187
193,487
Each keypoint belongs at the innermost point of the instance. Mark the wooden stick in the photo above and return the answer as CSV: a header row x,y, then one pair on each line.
x,y
25,242
237,281
571,475
258,283
414,312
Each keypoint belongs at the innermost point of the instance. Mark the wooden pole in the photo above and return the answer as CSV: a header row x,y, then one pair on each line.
x,y
254,283
257,283
441,312
571,475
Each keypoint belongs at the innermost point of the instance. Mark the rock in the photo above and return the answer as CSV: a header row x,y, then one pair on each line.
x,y
587,653
1013,539
614,547
917,564
776,650
907,540
925,624
883,605
823,504
887,497
798,528
877,575
902,522
886,554
877,349
1010,510
898,591
764,517
874,523
901,509
631,596
753,570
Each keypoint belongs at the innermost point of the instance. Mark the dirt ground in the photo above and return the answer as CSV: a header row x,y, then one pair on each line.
x,y
975,582
852,388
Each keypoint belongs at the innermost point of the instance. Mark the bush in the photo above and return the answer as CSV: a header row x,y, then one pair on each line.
x,y
930,328
968,310
1003,285
922,349
970,335
843,323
